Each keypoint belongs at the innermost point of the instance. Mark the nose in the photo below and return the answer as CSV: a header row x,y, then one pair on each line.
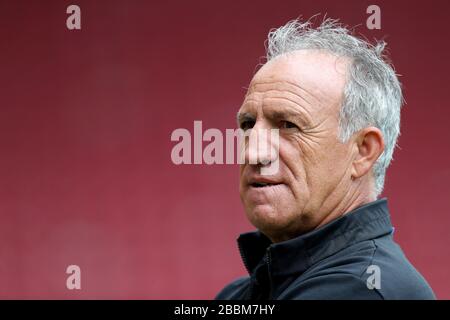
x,y
262,146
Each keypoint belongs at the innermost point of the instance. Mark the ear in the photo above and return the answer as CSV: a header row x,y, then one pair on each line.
x,y
369,145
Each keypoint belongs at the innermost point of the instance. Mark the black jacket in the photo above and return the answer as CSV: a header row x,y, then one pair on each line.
x,y
353,257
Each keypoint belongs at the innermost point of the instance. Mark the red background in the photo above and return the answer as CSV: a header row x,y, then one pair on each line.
x,y
85,121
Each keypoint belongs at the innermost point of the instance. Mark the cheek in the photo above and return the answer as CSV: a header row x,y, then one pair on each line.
x,y
328,168
292,163
291,156
309,165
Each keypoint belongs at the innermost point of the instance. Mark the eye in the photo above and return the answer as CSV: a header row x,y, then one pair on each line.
x,y
288,125
248,124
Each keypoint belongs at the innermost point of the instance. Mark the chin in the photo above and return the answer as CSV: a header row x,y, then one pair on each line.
x,y
268,220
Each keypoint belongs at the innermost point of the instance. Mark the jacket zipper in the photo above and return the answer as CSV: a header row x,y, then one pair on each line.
x,y
268,262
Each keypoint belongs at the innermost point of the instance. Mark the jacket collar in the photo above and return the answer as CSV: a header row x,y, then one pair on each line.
x,y
297,255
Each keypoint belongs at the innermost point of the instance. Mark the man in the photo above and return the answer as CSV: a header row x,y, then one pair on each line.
x,y
322,233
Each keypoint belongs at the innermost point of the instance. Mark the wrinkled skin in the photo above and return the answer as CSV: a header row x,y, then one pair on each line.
x,y
319,178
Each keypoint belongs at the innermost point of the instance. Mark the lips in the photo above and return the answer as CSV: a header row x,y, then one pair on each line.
x,y
263,190
262,182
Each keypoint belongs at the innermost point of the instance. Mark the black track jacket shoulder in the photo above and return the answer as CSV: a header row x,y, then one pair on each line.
x,y
353,257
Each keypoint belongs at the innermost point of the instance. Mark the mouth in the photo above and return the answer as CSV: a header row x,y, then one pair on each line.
x,y
263,184
262,191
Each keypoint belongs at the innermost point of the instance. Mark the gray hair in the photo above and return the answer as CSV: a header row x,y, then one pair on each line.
x,y
372,95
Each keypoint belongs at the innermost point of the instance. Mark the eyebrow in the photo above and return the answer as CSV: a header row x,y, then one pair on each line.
x,y
287,113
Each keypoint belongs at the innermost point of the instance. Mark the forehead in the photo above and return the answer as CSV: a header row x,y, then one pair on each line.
x,y
313,78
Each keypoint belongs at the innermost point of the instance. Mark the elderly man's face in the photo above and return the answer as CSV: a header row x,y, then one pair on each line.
x,y
300,94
